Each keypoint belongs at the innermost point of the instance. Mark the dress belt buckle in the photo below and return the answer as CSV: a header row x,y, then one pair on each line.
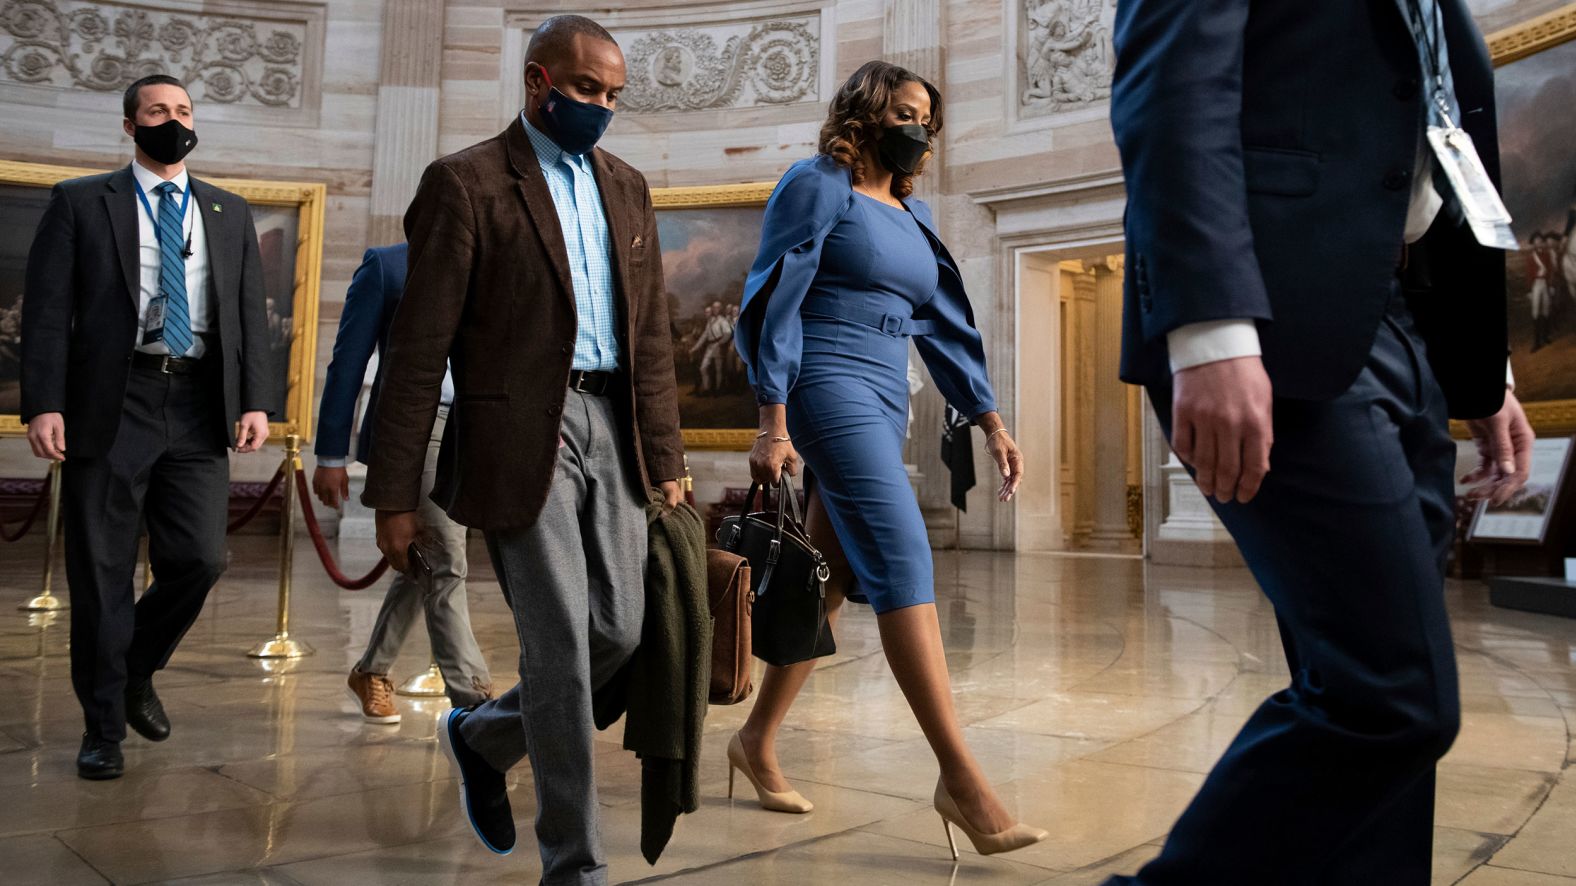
x,y
892,324
164,365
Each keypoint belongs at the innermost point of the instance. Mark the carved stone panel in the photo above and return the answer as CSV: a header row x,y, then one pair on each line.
x,y
226,59
722,66
1064,53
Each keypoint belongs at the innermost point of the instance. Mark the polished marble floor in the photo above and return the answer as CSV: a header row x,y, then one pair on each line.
x,y
1097,692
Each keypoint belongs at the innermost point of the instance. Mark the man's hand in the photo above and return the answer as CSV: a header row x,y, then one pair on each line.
x,y
1222,421
396,531
251,432
332,485
672,493
1504,443
46,433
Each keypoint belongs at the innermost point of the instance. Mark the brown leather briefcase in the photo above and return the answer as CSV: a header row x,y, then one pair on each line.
x,y
728,587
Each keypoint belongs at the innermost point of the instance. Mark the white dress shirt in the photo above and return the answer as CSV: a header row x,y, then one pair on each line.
x,y
198,297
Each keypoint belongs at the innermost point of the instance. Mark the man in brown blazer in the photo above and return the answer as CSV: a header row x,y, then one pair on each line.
x,y
535,273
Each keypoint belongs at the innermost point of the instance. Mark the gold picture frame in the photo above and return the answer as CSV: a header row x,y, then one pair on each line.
x,y
734,257
302,205
1519,43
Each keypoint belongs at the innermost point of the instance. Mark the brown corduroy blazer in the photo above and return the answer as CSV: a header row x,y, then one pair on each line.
x,y
488,292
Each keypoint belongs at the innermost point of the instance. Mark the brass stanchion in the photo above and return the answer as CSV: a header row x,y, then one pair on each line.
x,y
427,684
47,601
282,646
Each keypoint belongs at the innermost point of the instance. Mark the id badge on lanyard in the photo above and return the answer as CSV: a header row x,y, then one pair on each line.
x,y
1480,203
1457,157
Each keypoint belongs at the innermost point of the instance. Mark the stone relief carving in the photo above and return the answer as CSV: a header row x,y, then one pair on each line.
x,y
723,66
103,46
1065,57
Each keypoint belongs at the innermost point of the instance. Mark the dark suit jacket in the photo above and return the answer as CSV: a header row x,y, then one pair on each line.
x,y
1268,149
363,329
489,292
79,313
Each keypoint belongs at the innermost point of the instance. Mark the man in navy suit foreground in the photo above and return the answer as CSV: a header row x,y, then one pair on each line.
x,y
1308,300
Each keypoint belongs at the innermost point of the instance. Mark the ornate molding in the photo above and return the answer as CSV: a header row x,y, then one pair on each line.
x,y
103,45
695,197
1064,55
1533,36
722,66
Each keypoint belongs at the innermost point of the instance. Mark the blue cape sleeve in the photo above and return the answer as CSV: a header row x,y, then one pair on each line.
x,y
807,203
954,353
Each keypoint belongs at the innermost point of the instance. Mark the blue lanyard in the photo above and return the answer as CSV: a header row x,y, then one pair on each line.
x,y
186,197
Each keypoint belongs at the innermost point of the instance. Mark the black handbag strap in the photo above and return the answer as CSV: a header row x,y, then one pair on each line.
x,y
786,501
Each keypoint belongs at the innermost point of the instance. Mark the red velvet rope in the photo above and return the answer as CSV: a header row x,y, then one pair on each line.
x,y
257,506
321,544
32,517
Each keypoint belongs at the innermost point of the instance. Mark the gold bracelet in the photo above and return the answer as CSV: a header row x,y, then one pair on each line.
x,y
1000,430
763,434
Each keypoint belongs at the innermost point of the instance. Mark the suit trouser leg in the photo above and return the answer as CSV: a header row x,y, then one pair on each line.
x,y
575,582
186,514
1332,777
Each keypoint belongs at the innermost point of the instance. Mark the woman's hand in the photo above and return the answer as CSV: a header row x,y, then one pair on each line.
x,y
1005,452
773,453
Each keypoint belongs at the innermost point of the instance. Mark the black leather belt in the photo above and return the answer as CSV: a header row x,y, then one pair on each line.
x,y
165,364
596,384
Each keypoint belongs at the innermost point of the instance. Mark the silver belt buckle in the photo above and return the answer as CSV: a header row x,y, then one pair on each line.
x,y
164,365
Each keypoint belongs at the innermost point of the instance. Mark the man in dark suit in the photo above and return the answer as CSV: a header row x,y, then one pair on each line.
x,y
536,275
144,337
363,330
1299,275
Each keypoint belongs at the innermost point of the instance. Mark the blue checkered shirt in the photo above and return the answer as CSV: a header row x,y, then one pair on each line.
x,y
579,203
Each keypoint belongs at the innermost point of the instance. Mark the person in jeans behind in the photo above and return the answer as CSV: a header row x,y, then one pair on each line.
x,y
363,330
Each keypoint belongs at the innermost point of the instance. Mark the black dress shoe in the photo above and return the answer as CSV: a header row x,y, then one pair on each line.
x,y
484,791
144,711
100,759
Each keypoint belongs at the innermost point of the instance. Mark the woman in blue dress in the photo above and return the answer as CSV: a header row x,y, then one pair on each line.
x,y
849,271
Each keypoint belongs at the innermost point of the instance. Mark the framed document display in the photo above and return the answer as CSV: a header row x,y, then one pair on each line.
x,y
1530,517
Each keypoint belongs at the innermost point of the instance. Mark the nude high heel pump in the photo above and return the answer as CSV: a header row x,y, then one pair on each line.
x,y
785,801
1015,837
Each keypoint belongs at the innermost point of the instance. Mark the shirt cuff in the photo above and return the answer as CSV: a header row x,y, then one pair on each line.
x,y
333,461
1510,377
1211,342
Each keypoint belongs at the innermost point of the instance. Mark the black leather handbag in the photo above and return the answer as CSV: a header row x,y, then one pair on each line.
x,y
788,624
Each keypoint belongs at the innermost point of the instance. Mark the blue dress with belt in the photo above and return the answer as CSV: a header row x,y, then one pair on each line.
x,y
840,285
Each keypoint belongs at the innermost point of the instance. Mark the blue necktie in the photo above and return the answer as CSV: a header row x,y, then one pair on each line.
x,y
172,271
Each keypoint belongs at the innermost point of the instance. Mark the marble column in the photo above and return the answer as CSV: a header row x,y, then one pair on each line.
x,y
407,118
1110,412
911,36
1082,339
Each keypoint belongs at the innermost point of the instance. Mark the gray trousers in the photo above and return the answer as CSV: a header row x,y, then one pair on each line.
x,y
576,584
448,615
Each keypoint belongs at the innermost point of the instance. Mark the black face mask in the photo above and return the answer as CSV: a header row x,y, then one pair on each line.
x,y
576,126
168,143
901,148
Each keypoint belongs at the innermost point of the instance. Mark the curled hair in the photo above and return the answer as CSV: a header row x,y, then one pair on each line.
x,y
855,119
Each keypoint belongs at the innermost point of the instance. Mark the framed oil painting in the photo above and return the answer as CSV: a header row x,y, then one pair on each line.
x,y
1535,88
289,220
709,236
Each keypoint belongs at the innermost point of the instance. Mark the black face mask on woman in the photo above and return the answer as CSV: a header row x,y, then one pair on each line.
x,y
167,143
901,148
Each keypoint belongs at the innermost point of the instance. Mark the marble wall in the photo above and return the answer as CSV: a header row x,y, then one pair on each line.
x,y
360,94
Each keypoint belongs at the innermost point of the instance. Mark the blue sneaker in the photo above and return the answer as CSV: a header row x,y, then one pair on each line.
x,y
484,791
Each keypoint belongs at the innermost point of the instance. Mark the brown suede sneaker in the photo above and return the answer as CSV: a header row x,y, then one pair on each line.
x,y
375,694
